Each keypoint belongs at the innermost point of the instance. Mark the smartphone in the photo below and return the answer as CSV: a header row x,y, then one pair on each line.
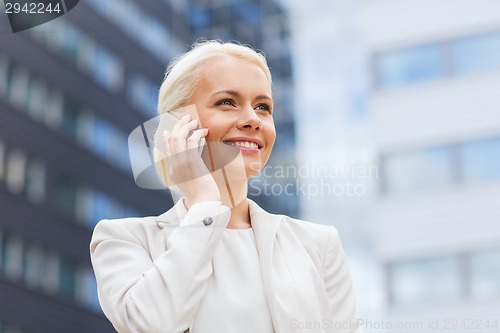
x,y
147,137
168,120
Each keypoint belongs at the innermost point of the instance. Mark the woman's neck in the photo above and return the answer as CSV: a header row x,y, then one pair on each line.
x,y
234,196
240,216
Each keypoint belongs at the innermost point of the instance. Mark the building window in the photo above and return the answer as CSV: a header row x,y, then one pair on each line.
x,y
49,278
4,70
9,328
53,109
67,278
480,160
12,256
281,67
485,274
87,289
3,152
3,249
21,174
434,167
461,56
32,265
19,87
64,197
35,184
476,54
98,206
106,68
474,275
410,65
426,280
100,137
37,99
16,171
418,170
199,17
155,37
143,94
70,118
249,11
104,139
70,42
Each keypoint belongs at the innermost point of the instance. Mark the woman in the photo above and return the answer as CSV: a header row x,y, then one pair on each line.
x,y
216,261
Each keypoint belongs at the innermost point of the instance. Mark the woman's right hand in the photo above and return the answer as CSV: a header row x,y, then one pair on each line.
x,y
187,170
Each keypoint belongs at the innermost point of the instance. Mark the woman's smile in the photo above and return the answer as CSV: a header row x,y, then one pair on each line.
x,y
245,145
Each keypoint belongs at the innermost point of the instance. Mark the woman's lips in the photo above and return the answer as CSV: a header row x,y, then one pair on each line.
x,y
244,146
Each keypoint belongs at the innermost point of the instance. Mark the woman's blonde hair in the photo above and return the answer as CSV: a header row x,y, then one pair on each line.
x,y
182,76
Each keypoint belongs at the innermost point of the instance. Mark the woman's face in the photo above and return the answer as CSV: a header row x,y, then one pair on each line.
x,y
234,101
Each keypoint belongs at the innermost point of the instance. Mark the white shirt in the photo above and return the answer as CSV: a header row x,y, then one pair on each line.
x,y
238,294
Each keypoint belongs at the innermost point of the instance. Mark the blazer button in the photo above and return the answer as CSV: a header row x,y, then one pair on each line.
x,y
208,220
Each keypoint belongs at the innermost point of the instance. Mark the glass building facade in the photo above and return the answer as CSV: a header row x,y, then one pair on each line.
x,y
466,55
71,91
465,163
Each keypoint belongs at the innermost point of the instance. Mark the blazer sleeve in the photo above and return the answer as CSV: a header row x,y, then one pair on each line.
x,y
141,295
339,286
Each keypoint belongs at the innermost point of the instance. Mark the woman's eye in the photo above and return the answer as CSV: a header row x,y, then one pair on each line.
x,y
265,107
227,102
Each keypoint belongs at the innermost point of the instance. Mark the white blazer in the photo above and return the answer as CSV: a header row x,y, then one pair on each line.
x,y
152,272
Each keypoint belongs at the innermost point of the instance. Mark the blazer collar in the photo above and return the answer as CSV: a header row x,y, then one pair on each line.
x,y
174,215
262,222
265,226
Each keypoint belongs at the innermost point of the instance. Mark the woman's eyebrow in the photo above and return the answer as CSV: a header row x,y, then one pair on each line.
x,y
230,92
237,94
263,97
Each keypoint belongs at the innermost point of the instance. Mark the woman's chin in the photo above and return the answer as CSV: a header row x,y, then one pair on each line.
x,y
253,168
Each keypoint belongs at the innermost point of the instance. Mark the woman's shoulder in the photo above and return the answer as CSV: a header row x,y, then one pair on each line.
x,y
311,234
317,239
320,232
314,234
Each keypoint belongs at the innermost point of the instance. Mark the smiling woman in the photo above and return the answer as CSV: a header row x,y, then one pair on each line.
x,y
216,261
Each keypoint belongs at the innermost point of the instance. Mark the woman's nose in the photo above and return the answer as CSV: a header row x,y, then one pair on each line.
x,y
248,118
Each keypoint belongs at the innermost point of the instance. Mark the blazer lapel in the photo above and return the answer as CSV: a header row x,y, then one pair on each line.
x,y
265,227
293,286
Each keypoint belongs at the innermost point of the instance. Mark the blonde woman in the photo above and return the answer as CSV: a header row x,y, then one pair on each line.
x,y
216,262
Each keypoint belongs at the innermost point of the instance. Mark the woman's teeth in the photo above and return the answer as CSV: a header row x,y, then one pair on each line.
x,y
244,144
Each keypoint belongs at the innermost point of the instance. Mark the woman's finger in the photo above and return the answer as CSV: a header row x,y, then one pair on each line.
x,y
184,120
177,141
166,136
183,131
193,142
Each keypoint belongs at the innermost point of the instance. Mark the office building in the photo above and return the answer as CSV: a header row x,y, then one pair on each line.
x,y
411,88
434,106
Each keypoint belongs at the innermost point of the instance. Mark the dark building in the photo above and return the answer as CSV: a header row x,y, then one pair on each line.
x,y
71,91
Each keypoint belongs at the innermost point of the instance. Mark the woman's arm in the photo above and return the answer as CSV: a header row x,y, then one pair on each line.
x,y
338,282
139,295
